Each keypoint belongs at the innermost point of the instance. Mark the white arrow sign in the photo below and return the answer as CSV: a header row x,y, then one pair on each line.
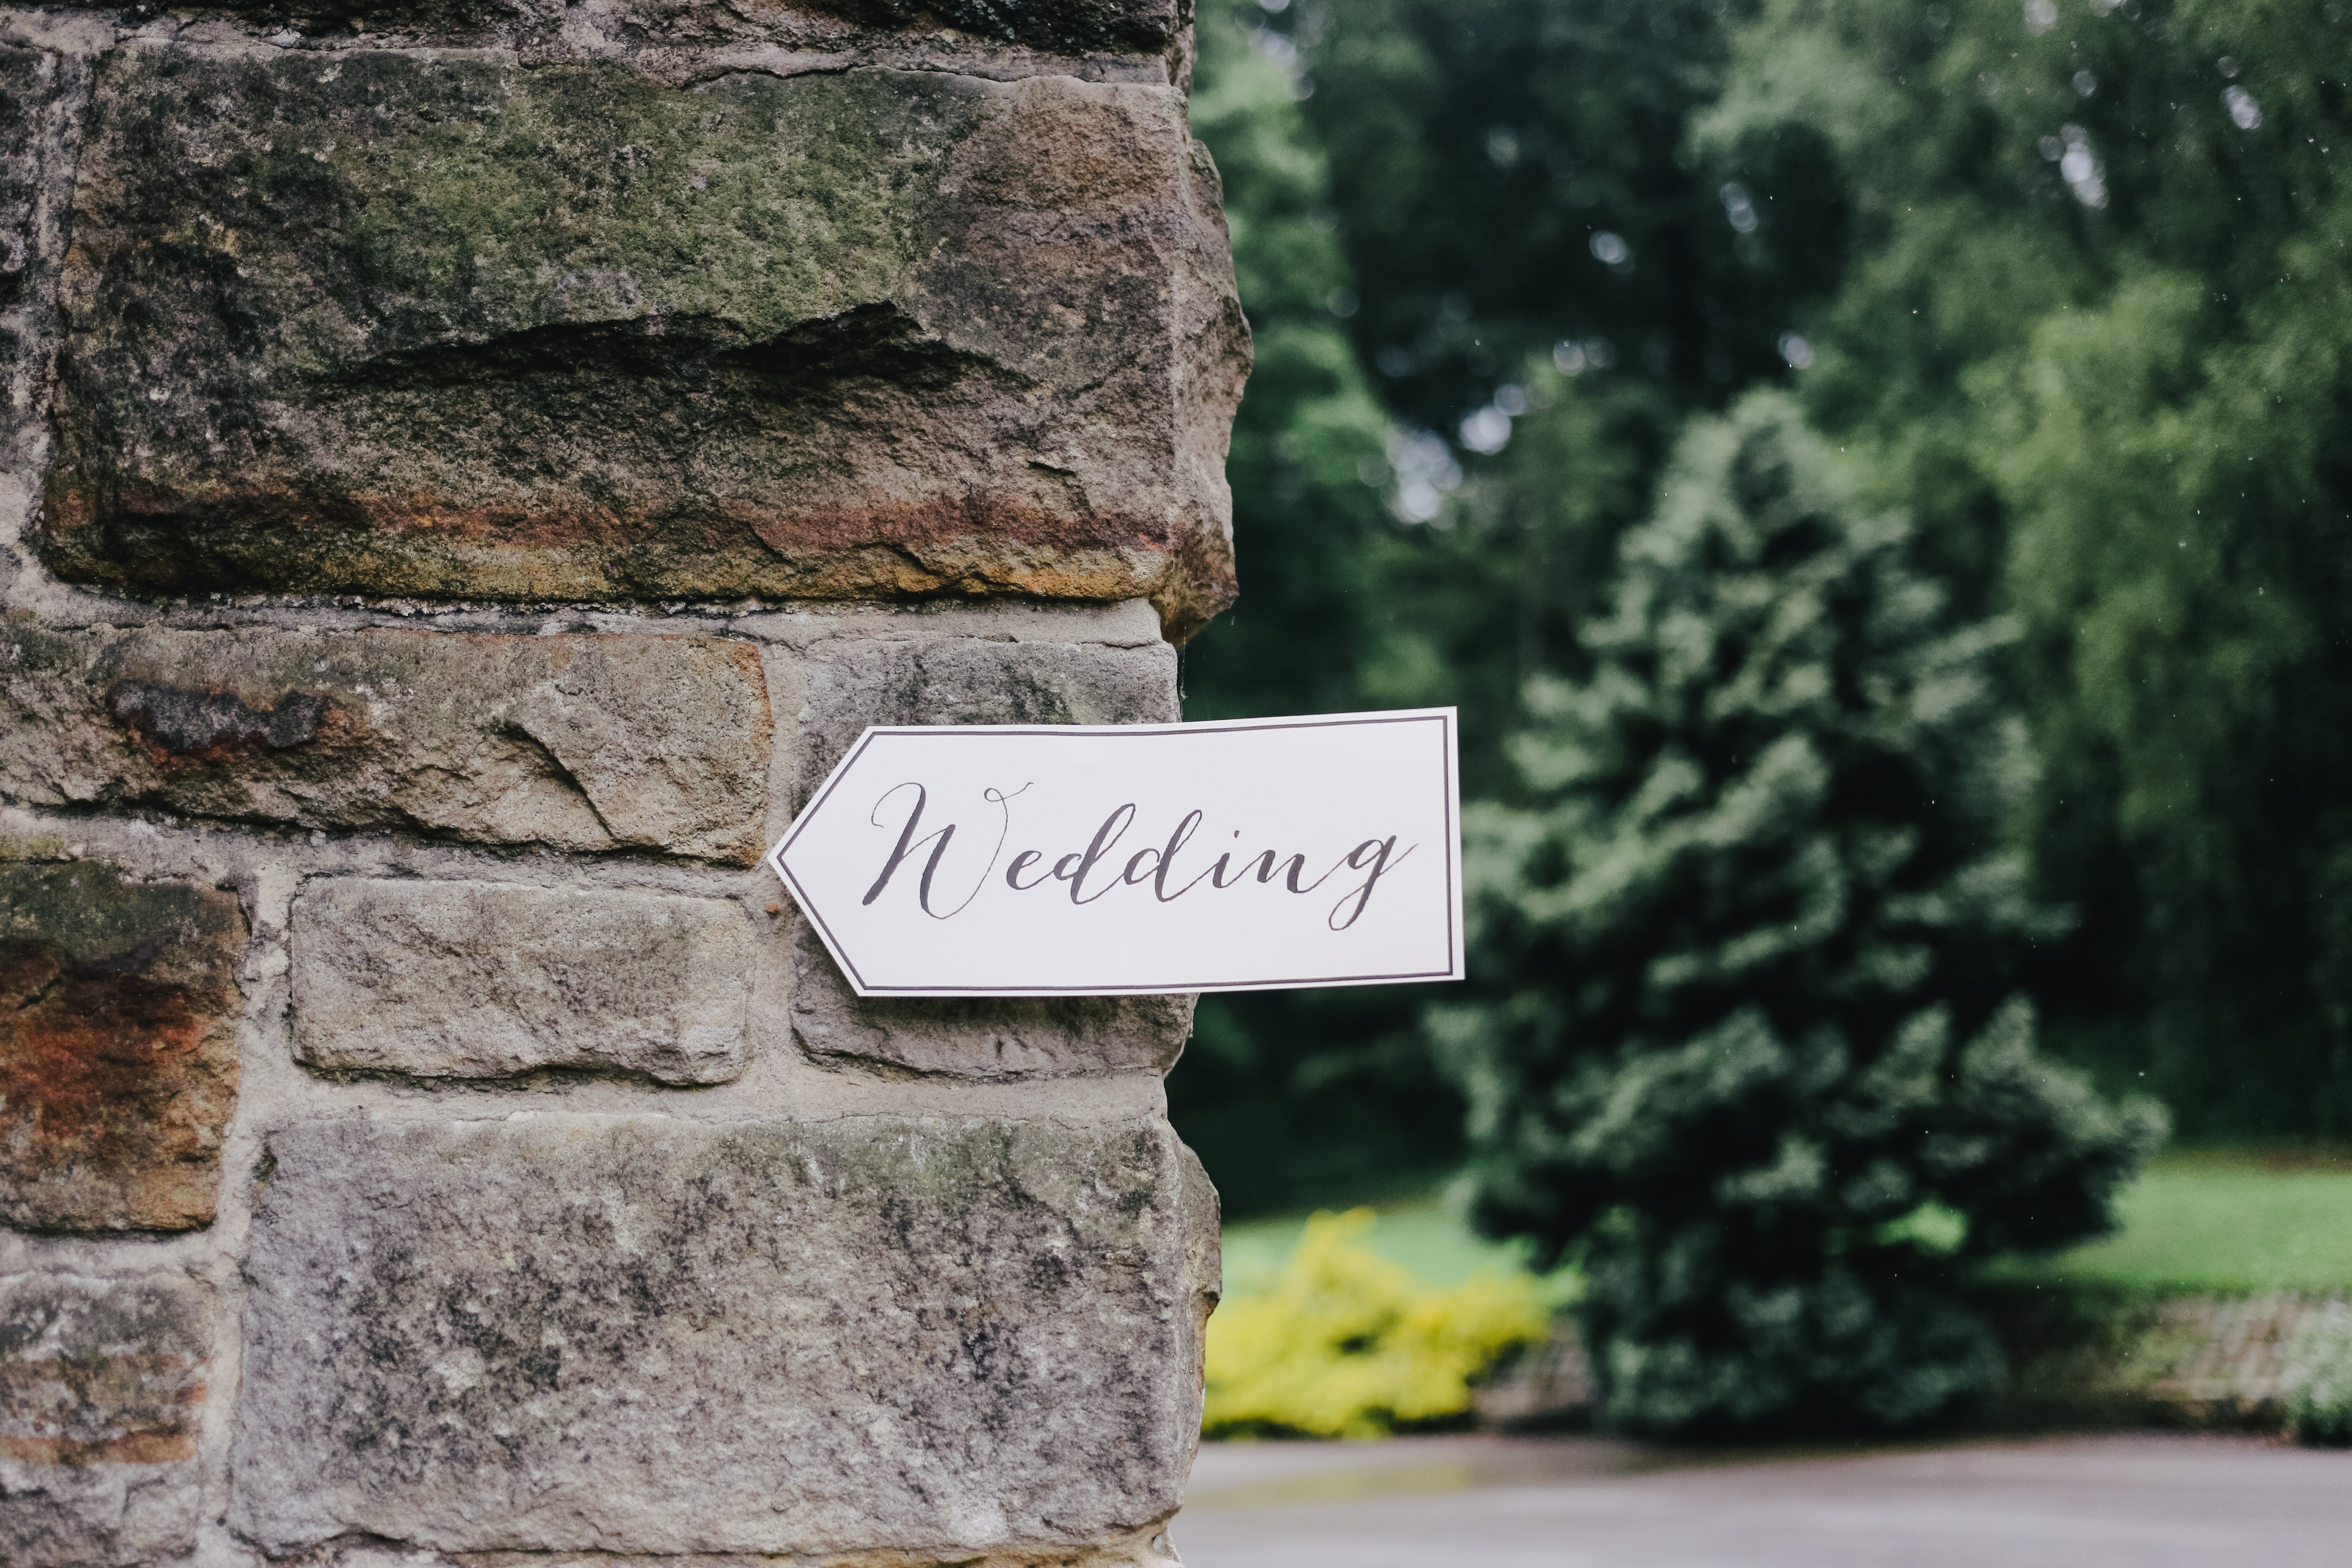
x,y
1109,860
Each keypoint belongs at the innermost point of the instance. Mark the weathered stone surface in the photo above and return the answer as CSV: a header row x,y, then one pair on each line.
x,y
969,680
579,742
45,66
480,980
38,89
100,1381
1031,1037
383,322
1070,28
102,1371
640,1334
118,1007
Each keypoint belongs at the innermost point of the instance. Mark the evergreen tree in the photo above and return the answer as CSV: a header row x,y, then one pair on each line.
x,y
1750,1049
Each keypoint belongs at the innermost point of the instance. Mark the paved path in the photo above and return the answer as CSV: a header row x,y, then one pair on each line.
x,y
2132,1502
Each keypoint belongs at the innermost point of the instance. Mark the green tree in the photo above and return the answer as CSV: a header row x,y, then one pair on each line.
x,y
1548,285
1510,177
1386,212
1430,188
1750,1046
1310,445
2096,333
1488,593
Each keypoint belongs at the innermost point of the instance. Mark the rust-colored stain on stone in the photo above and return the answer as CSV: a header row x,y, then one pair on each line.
x,y
87,1040
539,541
118,1052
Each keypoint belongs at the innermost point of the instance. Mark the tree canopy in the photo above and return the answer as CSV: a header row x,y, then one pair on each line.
x,y
2062,281
2092,329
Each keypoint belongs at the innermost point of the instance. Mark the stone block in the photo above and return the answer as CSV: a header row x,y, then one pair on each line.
x,y
940,1339
852,683
1021,1037
590,743
101,1381
416,322
480,980
118,1008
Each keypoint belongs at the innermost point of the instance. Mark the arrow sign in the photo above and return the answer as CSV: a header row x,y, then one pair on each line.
x,y
1110,859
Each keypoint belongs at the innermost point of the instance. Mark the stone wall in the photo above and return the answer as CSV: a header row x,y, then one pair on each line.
x,y
467,470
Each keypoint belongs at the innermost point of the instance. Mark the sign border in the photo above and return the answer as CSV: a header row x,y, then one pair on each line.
x,y
1445,718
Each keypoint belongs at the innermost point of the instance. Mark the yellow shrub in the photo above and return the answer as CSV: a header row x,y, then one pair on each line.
x,y
1346,1344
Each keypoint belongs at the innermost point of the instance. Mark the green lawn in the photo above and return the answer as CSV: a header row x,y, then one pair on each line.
x,y
2222,1222
2197,1221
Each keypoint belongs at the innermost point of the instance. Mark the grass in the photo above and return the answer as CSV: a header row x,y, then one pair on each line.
x,y
2224,1222
2217,1220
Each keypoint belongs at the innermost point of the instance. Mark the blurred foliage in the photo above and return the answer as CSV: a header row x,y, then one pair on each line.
x,y
2318,1376
1346,1345
1508,177
1543,284
1385,563
1309,430
2094,330
1293,1097
1744,1035
2069,281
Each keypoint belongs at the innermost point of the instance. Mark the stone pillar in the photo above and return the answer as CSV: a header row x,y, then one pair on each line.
x,y
467,468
